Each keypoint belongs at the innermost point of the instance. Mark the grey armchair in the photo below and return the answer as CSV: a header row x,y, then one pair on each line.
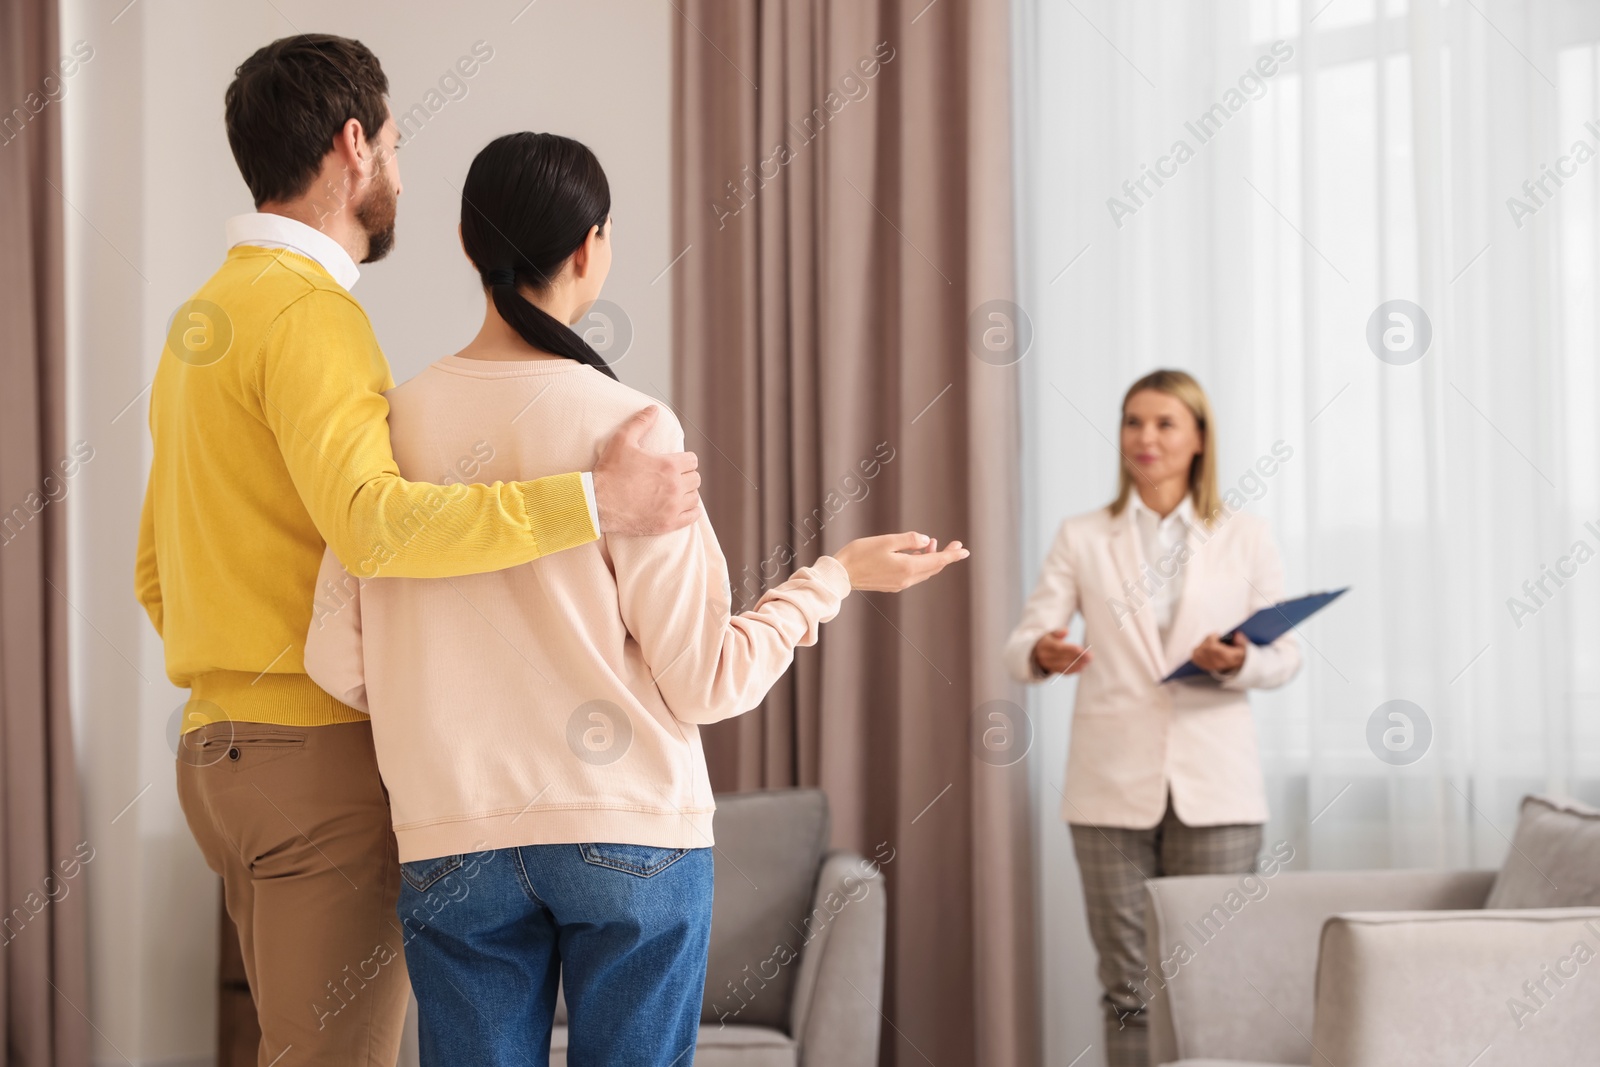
x,y
1366,969
795,977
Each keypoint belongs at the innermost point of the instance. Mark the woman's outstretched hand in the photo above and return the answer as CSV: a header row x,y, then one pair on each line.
x,y
889,563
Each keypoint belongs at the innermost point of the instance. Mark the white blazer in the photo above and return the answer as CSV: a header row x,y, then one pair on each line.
x,y
1132,738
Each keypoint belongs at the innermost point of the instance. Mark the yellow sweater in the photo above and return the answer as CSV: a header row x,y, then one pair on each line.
x,y
271,439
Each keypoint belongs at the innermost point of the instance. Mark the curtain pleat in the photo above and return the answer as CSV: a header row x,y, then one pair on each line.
x,y
43,963
843,204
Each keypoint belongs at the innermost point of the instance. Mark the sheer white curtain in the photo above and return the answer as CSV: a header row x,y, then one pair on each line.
x,y
1339,155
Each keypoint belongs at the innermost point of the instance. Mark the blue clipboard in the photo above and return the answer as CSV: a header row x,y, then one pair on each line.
x,y
1267,625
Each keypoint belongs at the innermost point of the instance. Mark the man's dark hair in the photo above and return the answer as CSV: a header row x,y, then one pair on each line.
x,y
288,102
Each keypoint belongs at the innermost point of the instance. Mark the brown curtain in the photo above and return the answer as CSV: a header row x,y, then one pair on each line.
x,y
842,207
43,963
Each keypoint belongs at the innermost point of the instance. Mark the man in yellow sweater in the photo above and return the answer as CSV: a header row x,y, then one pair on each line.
x,y
271,439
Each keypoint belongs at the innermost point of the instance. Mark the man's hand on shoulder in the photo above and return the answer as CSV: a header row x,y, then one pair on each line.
x,y
638,492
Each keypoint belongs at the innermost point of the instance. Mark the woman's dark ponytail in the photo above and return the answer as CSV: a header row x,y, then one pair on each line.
x,y
541,330
529,201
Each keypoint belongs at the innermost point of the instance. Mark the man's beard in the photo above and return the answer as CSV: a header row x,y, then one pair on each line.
x,y
376,216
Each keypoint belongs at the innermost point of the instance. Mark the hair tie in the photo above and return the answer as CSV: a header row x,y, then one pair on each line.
x,y
497,276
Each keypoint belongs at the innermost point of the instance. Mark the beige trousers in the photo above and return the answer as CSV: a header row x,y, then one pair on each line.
x,y
296,821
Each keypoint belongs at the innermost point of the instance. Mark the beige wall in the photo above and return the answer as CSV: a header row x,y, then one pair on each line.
x,y
150,181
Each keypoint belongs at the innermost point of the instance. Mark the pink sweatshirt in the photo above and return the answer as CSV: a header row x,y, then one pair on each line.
x,y
557,701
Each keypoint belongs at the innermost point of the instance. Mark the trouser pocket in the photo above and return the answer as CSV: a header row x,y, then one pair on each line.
x,y
642,861
240,744
422,874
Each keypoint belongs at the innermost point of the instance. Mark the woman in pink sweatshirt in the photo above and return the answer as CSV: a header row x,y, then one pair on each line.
x,y
536,728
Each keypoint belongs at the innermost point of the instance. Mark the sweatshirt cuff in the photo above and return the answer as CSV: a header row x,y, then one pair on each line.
x,y
833,575
588,495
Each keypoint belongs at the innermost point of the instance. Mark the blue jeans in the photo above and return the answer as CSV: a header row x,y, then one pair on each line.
x,y
626,926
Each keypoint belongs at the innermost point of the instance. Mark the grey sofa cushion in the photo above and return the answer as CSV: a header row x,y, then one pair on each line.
x,y
1507,987
1242,988
744,1046
719,1046
769,848
1554,860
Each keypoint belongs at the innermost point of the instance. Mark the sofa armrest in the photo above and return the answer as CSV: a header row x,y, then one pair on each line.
x,y
1232,959
838,997
1402,988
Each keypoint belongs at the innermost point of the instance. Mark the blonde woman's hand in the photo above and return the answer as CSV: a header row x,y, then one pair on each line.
x,y
1054,654
1215,654
889,563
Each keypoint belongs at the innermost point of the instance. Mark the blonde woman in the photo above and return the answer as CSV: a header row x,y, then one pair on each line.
x,y
1161,779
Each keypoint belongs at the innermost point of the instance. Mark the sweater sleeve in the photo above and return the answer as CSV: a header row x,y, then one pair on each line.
x,y
333,655
1050,607
676,601
147,576
1266,666
321,379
